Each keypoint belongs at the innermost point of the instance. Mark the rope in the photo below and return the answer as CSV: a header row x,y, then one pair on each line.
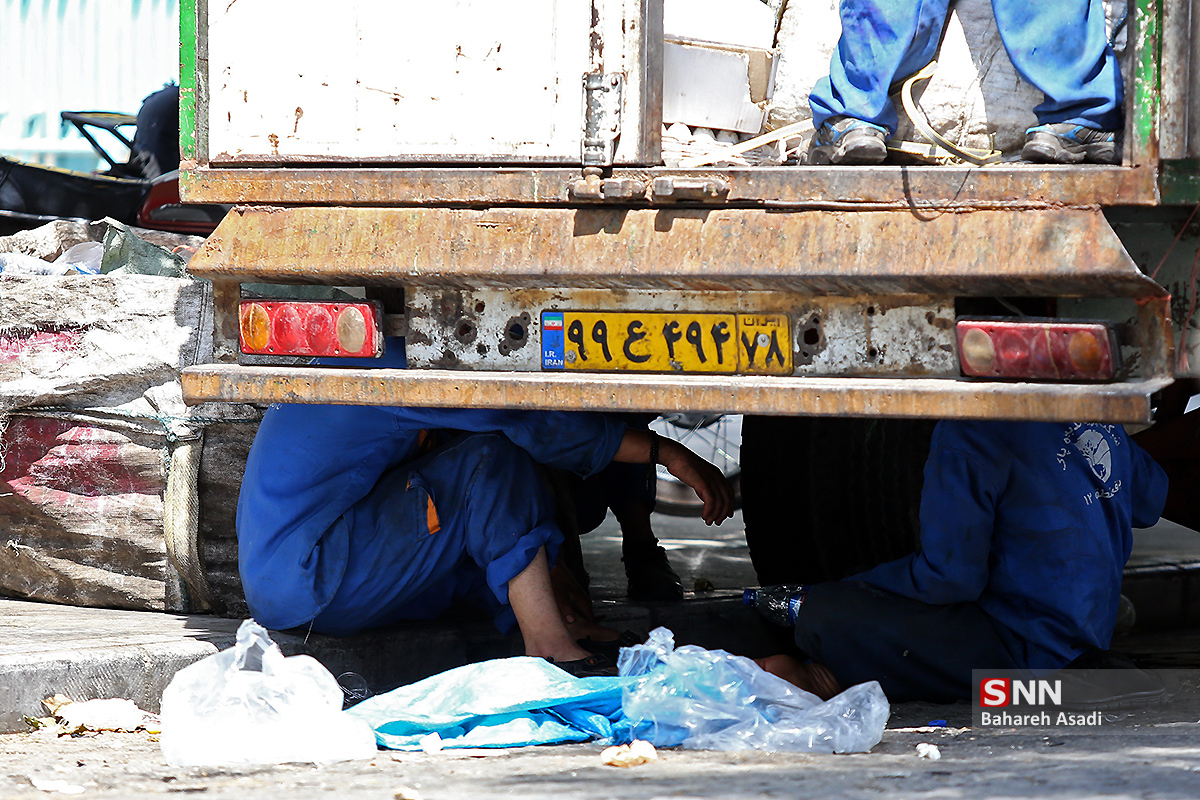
x,y
164,420
971,155
181,520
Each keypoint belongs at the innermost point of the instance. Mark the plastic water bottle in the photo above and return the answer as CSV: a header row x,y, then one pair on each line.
x,y
779,604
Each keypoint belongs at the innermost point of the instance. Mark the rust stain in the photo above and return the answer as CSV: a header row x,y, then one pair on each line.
x,y
390,92
844,253
299,114
942,323
922,191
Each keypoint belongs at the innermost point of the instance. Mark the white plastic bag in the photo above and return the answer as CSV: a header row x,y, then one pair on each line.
x,y
251,705
712,700
85,258
21,264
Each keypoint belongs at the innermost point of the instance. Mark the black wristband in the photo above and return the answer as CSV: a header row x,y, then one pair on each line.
x,y
653,449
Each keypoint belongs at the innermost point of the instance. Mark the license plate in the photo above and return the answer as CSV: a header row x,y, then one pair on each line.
x,y
666,341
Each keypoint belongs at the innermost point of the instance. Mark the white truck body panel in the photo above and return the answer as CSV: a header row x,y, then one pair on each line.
x,y
397,80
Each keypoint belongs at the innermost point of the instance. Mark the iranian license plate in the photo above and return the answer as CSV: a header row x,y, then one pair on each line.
x,y
666,341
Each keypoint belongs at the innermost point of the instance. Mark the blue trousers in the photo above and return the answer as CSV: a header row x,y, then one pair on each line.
x,y
1059,46
457,523
915,650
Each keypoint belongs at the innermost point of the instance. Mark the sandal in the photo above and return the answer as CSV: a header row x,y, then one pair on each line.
x,y
612,650
594,666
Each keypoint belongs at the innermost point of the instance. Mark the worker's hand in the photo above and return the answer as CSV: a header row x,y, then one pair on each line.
x,y
713,488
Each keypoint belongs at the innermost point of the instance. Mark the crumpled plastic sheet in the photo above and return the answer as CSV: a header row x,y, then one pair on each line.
x,y
250,704
506,702
712,700
689,697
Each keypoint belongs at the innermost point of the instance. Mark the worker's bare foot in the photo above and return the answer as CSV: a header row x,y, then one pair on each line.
x,y
557,651
593,631
811,677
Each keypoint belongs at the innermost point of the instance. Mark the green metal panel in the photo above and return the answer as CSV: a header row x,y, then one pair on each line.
x,y
1146,90
1179,182
187,78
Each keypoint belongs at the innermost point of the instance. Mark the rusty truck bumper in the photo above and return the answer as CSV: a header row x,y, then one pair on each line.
x,y
744,394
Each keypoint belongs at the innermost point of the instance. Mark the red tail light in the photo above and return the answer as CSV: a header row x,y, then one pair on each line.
x,y
1037,350
311,328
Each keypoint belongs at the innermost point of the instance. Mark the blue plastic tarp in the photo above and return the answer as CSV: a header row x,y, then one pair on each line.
x,y
689,697
507,702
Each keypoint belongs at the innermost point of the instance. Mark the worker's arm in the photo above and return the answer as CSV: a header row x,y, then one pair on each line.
x,y
705,479
578,441
957,517
585,443
1149,487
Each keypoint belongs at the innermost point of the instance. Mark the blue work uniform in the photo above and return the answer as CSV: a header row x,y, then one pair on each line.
x,y
1059,46
349,519
1025,531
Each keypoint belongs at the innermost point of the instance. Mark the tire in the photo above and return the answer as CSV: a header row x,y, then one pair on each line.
x,y
827,497
714,437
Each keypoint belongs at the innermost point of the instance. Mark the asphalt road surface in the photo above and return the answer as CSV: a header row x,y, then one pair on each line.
x,y
1160,761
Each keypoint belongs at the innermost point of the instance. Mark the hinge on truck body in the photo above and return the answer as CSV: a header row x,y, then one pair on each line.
x,y
601,117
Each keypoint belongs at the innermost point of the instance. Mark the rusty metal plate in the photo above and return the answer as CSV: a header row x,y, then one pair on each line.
x,y
670,342
1053,252
916,188
743,394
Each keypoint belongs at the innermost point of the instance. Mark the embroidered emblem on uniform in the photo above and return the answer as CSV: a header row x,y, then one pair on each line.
x,y
1095,449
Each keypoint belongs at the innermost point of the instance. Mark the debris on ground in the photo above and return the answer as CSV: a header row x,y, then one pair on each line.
x,y
629,755
930,751
71,718
59,786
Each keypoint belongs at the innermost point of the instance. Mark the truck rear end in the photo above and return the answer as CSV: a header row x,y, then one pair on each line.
x,y
487,180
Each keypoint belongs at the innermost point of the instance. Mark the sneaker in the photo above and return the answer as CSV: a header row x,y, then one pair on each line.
x,y
650,575
1068,143
1106,680
846,140
596,666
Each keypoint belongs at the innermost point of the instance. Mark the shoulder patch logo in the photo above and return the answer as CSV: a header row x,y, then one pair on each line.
x,y
1095,449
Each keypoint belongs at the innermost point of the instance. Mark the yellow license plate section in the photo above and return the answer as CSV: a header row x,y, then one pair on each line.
x,y
599,341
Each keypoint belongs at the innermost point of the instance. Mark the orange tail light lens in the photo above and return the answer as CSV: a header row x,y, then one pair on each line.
x,y
1038,349
311,328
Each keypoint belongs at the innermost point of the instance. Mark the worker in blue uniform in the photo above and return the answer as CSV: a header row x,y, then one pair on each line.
x,y
1025,530
1060,47
353,517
